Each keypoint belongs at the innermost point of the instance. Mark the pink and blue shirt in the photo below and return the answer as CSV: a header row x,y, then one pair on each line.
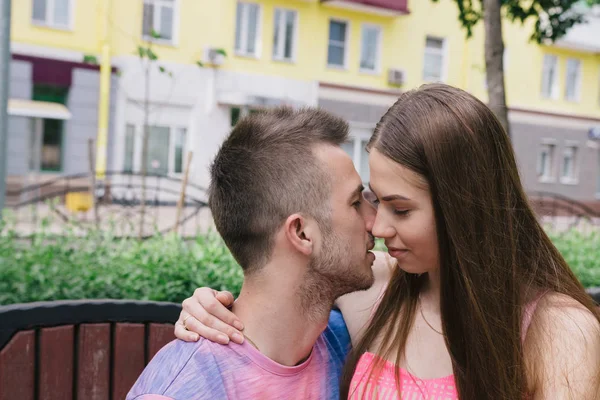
x,y
206,370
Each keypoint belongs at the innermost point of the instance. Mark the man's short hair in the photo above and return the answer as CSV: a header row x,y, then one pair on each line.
x,y
266,171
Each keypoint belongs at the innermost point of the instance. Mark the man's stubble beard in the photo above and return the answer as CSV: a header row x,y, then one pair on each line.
x,y
332,274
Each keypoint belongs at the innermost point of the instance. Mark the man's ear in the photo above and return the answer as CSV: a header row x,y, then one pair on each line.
x,y
301,233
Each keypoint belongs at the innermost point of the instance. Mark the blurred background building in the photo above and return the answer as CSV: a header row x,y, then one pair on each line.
x,y
217,60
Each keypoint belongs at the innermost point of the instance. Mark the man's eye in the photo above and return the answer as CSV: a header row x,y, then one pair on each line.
x,y
356,204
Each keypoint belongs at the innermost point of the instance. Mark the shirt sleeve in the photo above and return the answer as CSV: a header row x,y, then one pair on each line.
x,y
337,336
180,370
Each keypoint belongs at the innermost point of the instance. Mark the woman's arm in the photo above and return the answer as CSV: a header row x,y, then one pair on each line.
x,y
206,313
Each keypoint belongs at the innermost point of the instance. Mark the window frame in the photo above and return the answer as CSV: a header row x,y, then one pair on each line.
x,y
138,132
550,175
553,92
48,21
572,179
577,89
276,55
443,52
378,53
359,132
244,24
158,4
346,44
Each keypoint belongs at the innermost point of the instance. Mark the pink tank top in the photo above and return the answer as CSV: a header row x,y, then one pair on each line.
x,y
383,386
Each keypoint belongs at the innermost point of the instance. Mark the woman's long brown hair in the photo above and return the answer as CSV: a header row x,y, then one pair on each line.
x,y
493,252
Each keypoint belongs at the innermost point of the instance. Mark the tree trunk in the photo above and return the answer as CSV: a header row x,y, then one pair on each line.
x,y
494,61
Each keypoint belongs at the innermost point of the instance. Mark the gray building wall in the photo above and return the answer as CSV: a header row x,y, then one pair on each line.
x,y
19,127
83,125
82,103
527,142
355,112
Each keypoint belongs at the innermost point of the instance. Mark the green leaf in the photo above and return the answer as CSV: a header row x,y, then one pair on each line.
x,y
155,34
90,59
151,54
161,69
221,52
142,51
198,63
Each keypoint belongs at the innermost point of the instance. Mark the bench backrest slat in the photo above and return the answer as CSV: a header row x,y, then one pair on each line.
x,y
17,368
159,335
56,359
93,366
129,357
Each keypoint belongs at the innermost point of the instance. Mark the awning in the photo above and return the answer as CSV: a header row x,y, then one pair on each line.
x,y
37,109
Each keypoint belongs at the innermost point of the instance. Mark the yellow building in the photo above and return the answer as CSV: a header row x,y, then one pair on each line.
x,y
351,57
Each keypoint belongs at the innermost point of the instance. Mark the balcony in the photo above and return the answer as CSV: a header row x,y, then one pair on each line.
x,y
379,7
583,37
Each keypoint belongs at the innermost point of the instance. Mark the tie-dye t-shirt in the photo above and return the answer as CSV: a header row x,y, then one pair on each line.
x,y
206,370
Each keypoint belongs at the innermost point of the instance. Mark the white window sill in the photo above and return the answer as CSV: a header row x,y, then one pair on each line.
x,y
569,181
337,67
159,41
253,56
284,60
576,100
547,179
372,72
550,98
431,79
43,24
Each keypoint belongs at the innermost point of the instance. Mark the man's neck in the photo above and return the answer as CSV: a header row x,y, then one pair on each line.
x,y
276,321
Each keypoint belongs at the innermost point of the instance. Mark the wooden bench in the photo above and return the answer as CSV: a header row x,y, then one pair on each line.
x,y
85,350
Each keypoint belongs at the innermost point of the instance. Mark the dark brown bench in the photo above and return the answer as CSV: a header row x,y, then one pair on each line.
x,y
84,350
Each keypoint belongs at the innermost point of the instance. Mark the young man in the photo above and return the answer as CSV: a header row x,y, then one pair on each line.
x,y
288,203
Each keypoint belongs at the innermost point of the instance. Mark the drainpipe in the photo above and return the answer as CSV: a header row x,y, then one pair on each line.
x,y
104,98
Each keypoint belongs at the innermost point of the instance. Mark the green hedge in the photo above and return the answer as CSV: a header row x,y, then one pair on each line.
x,y
163,268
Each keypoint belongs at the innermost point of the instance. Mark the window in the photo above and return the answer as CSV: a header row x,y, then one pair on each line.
x,y
356,148
550,77
159,17
129,147
573,79
284,40
569,165
167,147
433,62
47,137
236,113
53,13
370,50
180,141
545,162
336,50
246,29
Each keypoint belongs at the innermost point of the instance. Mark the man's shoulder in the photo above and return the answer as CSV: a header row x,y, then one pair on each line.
x,y
181,366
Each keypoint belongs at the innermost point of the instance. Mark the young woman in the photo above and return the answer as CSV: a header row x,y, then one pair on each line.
x,y
477,303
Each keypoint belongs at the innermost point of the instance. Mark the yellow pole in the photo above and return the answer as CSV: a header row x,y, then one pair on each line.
x,y
104,98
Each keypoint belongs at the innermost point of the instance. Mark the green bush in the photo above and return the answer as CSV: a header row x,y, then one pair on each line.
x,y
98,265
582,253
163,268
